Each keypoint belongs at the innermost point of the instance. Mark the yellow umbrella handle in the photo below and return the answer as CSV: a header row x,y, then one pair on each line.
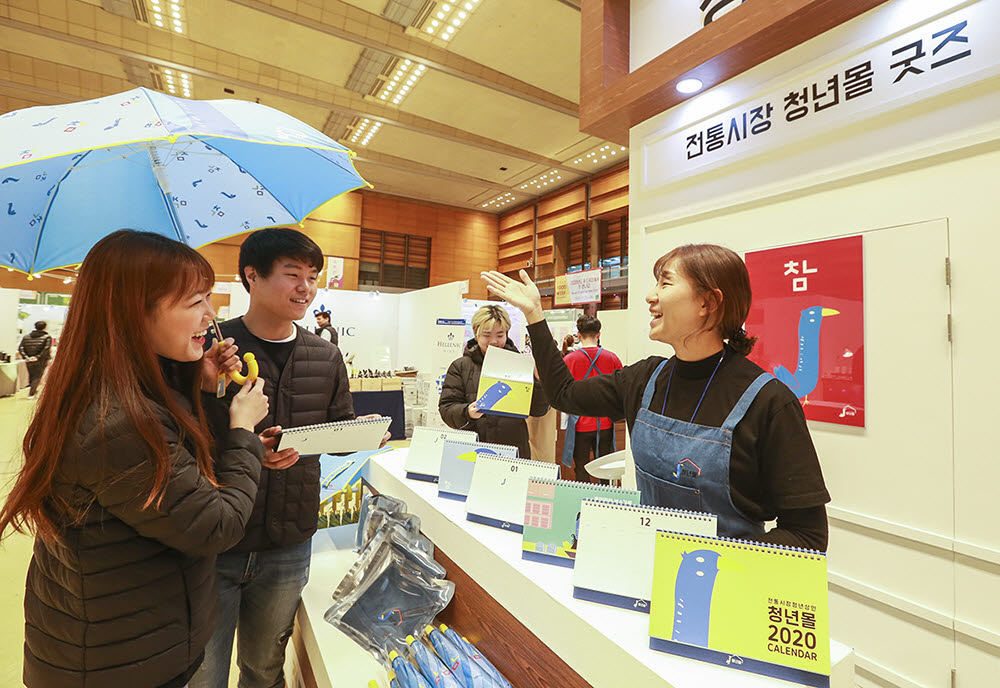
x,y
252,370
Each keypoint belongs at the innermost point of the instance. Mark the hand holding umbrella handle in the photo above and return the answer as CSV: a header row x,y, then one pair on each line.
x,y
252,371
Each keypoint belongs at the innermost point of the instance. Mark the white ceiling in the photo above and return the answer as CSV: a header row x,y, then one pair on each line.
x,y
496,107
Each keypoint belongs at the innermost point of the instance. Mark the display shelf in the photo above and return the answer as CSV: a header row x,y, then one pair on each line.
x,y
605,646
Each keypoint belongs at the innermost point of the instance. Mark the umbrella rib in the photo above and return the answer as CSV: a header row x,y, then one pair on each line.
x,y
225,155
45,215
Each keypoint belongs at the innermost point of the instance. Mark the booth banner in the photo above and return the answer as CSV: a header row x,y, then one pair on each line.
x,y
364,322
578,287
562,321
449,344
334,277
808,313
904,64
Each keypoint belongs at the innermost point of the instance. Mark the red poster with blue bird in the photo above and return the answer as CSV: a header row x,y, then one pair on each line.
x,y
808,312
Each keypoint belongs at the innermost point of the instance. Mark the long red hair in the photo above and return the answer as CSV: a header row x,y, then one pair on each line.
x,y
104,359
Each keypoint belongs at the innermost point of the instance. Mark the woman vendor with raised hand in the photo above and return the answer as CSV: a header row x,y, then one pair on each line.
x,y
710,430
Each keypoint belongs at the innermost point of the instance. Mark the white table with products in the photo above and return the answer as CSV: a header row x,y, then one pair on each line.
x,y
608,647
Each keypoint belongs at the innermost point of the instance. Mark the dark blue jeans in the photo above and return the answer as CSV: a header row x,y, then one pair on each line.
x,y
258,595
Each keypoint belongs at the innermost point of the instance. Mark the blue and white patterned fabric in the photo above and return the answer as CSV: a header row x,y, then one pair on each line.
x,y
193,170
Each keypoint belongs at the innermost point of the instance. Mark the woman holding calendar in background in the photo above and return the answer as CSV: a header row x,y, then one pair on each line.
x,y
710,430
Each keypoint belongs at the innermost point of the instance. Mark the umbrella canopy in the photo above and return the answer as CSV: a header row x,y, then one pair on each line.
x,y
197,171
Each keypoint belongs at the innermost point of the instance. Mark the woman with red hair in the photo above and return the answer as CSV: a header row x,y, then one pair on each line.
x,y
127,497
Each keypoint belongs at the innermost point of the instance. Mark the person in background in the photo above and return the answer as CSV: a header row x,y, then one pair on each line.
x,y
459,392
119,484
260,579
586,437
569,343
35,348
323,327
710,430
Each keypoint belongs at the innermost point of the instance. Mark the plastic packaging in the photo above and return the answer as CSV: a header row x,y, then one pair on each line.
x,y
393,683
377,511
394,590
376,503
433,669
406,674
464,667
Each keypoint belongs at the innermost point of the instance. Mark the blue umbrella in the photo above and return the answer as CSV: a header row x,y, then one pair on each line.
x,y
197,171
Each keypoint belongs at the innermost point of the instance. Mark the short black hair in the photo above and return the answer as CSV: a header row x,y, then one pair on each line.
x,y
324,314
261,249
588,325
41,325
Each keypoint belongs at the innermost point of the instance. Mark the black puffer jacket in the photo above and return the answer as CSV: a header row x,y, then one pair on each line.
x,y
126,598
460,388
313,388
37,343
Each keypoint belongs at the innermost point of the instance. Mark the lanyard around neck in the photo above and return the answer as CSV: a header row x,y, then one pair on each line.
x,y
666,395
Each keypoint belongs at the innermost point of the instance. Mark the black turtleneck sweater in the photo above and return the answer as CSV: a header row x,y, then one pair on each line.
x,y
774,471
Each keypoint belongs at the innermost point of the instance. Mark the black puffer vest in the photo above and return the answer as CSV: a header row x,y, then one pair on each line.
x,y
312,388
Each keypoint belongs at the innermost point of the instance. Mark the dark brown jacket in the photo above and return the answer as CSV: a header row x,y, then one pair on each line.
x,y
461,387
125,598
312,388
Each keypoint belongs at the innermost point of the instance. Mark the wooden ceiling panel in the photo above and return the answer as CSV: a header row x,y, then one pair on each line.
x,y
495,115
532,40
404,183
449,155
272,41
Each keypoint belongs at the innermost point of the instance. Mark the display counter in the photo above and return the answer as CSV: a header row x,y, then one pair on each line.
x,y
13,376
522,614
387,403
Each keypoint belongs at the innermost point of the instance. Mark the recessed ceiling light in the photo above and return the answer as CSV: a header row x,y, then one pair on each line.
x,y
430,30
689,85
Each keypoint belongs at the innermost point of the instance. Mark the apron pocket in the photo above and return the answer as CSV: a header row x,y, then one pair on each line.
x,y
658,492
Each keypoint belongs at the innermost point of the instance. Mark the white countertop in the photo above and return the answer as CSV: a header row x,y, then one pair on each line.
x,y
607,646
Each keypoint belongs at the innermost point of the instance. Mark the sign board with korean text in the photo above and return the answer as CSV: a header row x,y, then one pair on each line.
x,y
578,287
808,312
906,63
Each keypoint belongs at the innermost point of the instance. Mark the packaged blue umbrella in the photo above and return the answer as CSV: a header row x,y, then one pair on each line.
x,y
431,667
471,674
394,590
406,675
393,683
476,655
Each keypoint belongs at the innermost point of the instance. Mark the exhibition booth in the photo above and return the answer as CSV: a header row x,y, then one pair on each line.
x,y
881,134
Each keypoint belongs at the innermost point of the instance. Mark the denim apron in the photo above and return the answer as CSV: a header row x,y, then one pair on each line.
x,y
683,465
569,442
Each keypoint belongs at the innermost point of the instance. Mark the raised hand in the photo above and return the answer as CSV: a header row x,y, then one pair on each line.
x,y
524,294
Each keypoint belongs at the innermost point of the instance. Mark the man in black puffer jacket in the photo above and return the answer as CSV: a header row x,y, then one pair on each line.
x,y
305,379
35,349
461,386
